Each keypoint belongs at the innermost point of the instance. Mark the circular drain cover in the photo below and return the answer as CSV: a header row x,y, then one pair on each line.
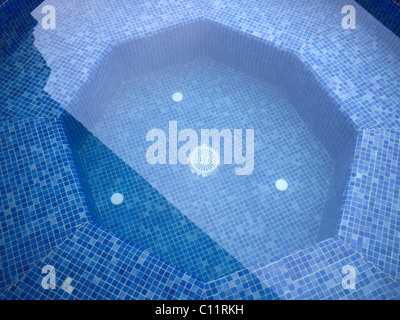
x,y
203,160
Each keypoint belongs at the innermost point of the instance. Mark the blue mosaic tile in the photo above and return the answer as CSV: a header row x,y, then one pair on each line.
x,y
272,65
72,54
23,71
353,74
333,211
371,214
102,266
315,273
386,11
365,83
40,194
286,24
121,21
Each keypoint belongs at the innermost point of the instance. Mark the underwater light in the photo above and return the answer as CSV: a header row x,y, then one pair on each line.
x,y
117,199
177,97
281,185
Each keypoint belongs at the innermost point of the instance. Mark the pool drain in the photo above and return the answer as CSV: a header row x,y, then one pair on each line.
x,y
203,160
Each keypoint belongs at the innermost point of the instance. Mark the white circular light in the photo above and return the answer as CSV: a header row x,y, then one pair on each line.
x,y
281,185
203,160
117,199
177,97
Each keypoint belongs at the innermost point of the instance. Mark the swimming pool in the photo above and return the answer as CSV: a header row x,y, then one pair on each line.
x,y
247,219
319,100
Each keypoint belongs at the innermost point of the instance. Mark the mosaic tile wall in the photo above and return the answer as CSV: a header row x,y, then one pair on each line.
x,y
173,45
332,214
177,43
371,216
311,274
103,266
41,200
12,26
284,70
362,79
74,53
76,136
24,72
362,84
386,11
35,159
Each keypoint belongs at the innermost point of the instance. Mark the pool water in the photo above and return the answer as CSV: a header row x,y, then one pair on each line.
x,y
215,225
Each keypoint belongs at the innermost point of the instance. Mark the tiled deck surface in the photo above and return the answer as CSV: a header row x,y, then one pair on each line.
x,y
44,218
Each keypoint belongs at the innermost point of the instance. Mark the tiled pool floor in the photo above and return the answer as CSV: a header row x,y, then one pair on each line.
x,y
247,216
146,217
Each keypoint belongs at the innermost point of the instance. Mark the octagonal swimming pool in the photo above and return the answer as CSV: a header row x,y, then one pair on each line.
x,y
210,226
193,149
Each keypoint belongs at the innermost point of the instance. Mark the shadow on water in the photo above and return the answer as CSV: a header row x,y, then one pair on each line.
x,y
145,218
